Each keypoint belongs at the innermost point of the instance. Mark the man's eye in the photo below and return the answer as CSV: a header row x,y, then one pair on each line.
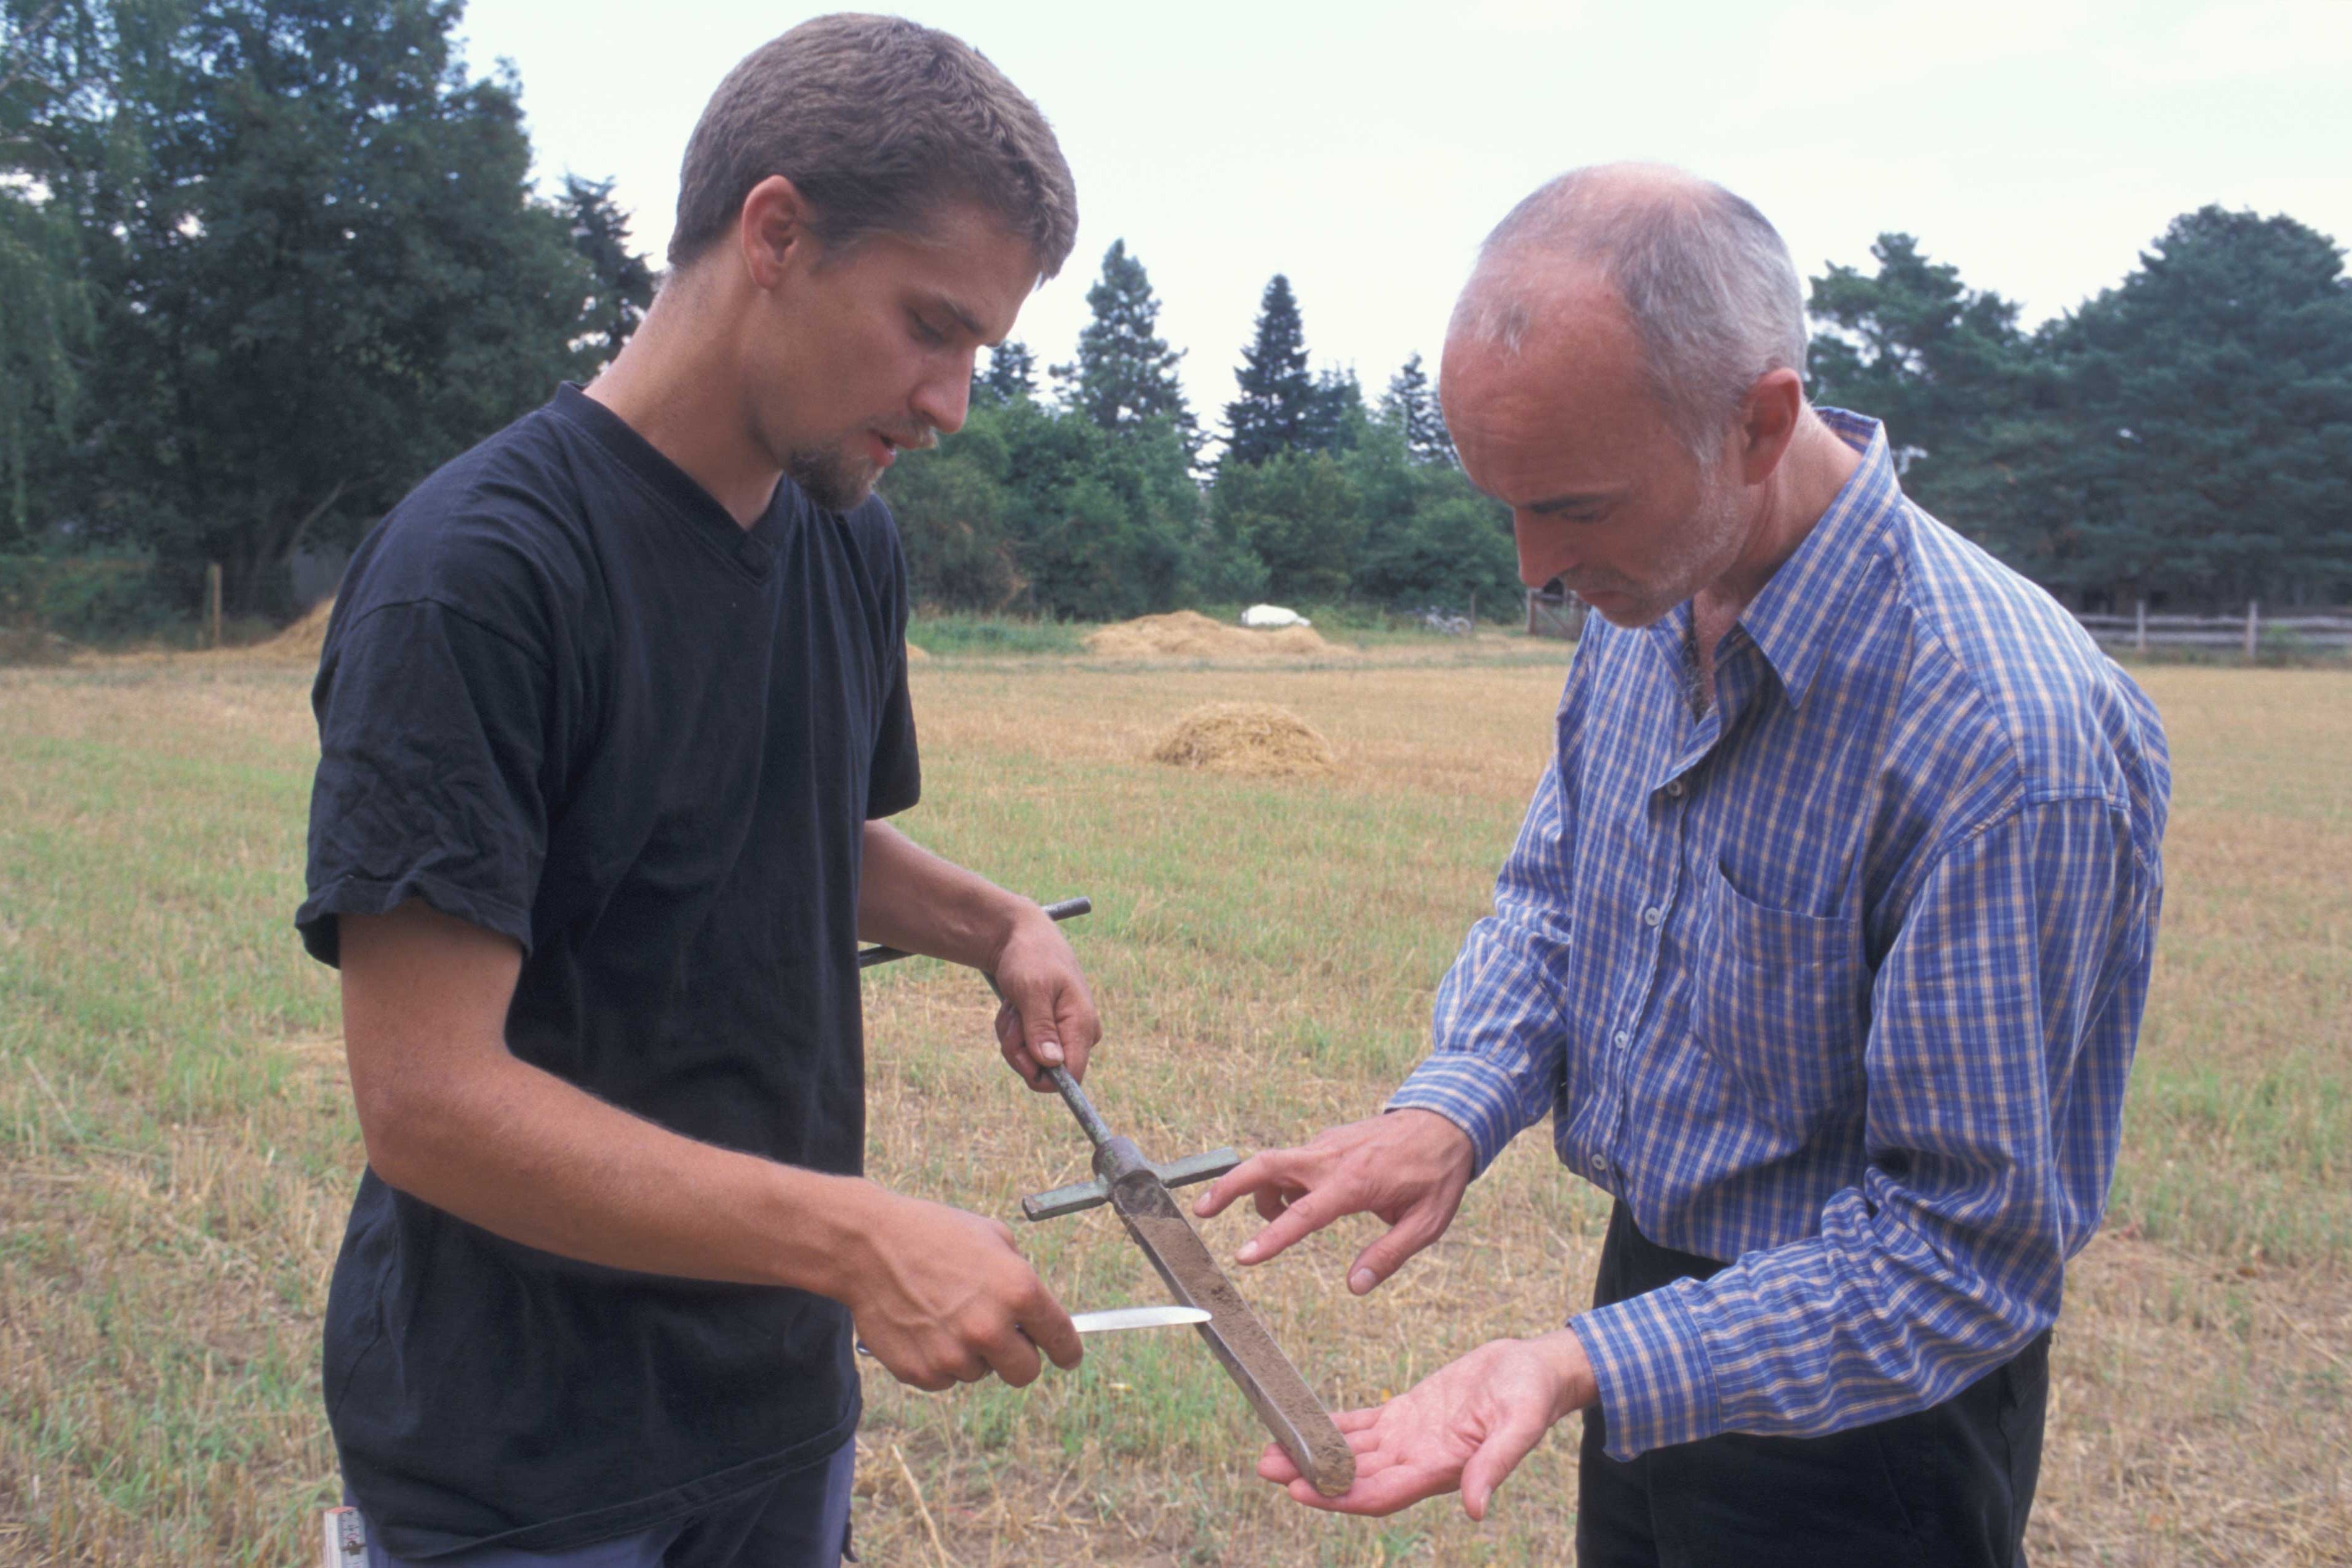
x,y
928,332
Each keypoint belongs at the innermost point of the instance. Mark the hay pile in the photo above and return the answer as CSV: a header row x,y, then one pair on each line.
x,y
916,654
1188,634
300,642
1251,740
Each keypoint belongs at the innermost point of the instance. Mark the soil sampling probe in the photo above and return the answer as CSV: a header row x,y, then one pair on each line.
x,y
1137,1191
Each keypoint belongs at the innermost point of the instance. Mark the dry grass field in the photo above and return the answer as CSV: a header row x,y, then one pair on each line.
x,y
176,1149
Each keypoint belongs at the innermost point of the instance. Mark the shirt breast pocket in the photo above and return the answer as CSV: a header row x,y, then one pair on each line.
x,y
1782,1000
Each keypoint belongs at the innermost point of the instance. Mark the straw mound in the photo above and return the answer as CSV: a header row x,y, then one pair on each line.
x,y
1188,634
303,639
1254,740
915,654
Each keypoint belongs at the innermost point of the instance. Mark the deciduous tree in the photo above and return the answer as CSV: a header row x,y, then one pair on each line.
x,y
321,269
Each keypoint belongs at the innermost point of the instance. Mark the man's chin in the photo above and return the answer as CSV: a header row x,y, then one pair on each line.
x,y
1624,610
830,481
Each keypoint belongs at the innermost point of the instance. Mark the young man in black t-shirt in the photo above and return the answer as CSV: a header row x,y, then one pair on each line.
x,y
611,711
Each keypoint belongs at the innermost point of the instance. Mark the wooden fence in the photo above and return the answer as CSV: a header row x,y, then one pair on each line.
x,y
2139,631
2329,631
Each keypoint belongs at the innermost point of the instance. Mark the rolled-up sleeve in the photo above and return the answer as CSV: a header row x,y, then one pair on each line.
x,y
430,786
2005,978
1498,1031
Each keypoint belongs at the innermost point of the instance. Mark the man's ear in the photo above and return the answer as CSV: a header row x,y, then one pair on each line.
x,y
773,232
1768,422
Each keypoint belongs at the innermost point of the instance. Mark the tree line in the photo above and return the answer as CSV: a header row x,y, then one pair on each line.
x,y
265,263
1098,499
2184,437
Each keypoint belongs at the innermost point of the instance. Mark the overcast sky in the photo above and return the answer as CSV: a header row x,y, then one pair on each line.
x,y
1364,148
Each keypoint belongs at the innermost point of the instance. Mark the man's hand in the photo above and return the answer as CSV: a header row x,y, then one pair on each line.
x,y
1048,1018
1465,1425
1409,1167
909,897
942,1297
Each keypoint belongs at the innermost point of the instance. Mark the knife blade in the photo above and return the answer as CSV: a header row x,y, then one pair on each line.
x,y
1112,1318
1136,1318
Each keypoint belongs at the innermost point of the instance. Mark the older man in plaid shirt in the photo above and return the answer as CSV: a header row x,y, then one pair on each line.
x,y
1825,943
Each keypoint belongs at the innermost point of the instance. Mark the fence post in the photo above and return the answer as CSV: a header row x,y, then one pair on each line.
x,y
2139,627
2254,618
1473,612
213,604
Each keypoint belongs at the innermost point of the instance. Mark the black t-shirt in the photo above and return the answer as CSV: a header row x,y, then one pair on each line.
x,y
566,697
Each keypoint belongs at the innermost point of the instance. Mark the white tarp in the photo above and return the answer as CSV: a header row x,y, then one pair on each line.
x,y
1266,617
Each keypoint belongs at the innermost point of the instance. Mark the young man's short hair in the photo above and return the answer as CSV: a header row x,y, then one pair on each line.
x,y
876,121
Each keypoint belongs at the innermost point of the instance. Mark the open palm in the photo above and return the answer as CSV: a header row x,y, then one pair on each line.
x,y
1465,1425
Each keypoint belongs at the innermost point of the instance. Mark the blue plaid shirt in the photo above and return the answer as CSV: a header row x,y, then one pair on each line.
x,y
1841,980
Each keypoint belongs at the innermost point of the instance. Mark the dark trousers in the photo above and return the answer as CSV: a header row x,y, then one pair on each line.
x,y
1948,1486
801,1520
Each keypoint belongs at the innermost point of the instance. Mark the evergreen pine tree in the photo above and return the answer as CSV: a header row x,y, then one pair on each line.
x,y
1411,407
1336,418
1916,348
1124,373
623,282
2215,382
1011,373
1277,410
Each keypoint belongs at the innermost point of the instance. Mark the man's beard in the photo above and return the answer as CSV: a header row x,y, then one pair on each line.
x,y
831,477
1707,548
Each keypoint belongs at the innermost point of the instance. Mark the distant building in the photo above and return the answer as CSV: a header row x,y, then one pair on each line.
x,y
1553,611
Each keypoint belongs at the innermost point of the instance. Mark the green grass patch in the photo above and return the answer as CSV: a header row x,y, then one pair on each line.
x,y
958,632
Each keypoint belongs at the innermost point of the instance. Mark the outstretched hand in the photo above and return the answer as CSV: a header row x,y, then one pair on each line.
x,y
1465,1425
1409,1167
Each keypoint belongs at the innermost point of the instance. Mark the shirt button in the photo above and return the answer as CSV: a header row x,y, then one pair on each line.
x,y
1675,789
1620,1038
1653,915
1601,1164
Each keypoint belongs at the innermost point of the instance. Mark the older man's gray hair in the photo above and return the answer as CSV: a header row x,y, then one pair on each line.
x,y
1705,277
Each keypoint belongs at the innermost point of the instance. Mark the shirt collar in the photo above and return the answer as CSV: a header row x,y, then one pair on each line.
x,y
1793,616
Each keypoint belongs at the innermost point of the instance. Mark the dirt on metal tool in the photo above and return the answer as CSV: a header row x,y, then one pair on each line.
x,y
1137,1191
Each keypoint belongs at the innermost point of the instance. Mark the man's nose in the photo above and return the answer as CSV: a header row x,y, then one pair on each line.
x,y
943,400
1544,552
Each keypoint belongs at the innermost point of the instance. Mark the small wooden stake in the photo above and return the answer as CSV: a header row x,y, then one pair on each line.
x,y
2253,622
212,604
